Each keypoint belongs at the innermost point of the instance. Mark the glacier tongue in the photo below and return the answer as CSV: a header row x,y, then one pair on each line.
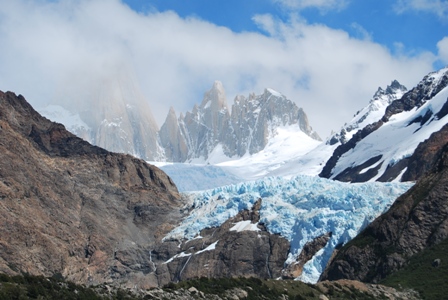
x,y
300,209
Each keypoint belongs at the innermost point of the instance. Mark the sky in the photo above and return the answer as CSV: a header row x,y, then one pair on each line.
x,y
328,56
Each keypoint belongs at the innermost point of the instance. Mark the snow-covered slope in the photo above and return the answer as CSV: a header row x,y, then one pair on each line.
x,y
300,209
379,151
289,153
289,143
372,113
71,121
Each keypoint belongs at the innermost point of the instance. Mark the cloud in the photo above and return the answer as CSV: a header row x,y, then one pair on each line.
x,y
442,47
322,5
362,32
63,50
437,7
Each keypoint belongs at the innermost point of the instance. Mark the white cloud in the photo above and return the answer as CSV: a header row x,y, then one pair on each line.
x,y
438,7
322,5
362,32
63,50
442,46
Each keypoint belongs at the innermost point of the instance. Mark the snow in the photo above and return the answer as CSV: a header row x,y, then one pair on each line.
x,y
290,152
209,248
300,209
182,254
288,144
396,139
373,112
244,226
72,122
275,93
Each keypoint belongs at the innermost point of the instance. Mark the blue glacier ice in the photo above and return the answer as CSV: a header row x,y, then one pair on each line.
x,y
300,209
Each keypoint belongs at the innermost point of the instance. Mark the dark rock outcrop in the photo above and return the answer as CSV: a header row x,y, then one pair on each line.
x,y
239,247
70,208
417,220
295,269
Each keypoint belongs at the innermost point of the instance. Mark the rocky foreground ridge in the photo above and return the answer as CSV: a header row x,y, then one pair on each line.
x,y
91,216
74,209
417,221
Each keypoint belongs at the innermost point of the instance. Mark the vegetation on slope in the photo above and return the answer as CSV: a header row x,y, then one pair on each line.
x,y
38,287
424,274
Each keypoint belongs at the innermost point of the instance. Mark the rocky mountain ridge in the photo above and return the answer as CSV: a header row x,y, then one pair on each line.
x,y
114,115
416,221
74,209
381,150
210,127
71,209
373,112
119,119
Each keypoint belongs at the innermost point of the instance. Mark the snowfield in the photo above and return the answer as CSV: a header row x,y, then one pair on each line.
x,y
300,209
290,152
399,137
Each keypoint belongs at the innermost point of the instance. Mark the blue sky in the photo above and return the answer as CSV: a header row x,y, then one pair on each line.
x,y
416,29
328,56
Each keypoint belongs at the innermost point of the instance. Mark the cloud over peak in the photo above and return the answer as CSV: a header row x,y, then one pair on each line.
x,y
62,49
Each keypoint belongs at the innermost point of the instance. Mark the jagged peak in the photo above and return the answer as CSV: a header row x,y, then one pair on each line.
x,y
217,85
394,87
437,73
171,115
239,99
215,98
378,93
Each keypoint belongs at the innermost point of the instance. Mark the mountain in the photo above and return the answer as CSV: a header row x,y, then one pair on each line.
x,y
113,115
411,236
74,209
69,209
373,112
200,130
210,133
291,151
381,150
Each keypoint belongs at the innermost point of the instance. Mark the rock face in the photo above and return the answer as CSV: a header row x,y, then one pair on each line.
x,y
373,112
71,208
239,247
381,150
255,119
295,269
114,115
117,117
172,138
252,122
416,221
92,216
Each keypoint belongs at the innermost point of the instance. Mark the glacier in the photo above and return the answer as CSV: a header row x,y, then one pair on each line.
x,y
299,208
